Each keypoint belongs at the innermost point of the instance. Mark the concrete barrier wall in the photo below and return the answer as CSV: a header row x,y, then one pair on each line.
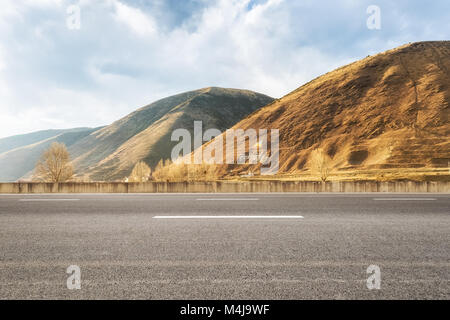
x,y
228,187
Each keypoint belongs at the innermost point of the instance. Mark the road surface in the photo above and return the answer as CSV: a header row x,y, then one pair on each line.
x,y
225,246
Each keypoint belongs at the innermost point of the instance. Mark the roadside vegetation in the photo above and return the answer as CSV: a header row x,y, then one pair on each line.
x,y
321,164
141,173
54,165
169,171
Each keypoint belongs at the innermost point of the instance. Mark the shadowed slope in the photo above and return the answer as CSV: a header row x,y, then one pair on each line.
x,y
20,161
111,153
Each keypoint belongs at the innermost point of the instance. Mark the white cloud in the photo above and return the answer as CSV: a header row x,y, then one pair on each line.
x,y
43,3
135,19
125,55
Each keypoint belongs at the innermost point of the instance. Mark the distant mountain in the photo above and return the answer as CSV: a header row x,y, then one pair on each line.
x,y
17,141
19,154
390,110
111,152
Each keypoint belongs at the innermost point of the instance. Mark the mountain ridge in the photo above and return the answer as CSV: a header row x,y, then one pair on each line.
x,y
113,159
19,162
389,110
109,152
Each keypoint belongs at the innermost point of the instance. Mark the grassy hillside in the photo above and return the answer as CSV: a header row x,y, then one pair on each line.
x,y
25,150
111,153
385,112
21,140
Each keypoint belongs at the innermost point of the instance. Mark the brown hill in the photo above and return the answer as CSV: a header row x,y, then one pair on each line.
x,y
385,111
111,152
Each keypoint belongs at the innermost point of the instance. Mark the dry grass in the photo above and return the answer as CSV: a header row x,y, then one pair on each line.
x,y
384,117
140,173
177,172
437,174
110,153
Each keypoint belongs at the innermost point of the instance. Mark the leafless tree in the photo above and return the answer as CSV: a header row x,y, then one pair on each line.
x,y
321,163
141,172
54,165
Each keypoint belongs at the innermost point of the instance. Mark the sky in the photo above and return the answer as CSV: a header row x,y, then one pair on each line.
x,y
69,63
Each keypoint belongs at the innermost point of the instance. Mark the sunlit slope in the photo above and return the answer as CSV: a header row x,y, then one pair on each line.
x,y
386,111
111,153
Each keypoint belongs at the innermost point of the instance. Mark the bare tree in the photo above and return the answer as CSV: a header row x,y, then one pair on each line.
x,y
321,163
157,170
141,172
54,165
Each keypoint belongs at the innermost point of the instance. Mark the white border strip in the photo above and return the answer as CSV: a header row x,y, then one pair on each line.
x,y
404,199
227,199
228,217
34,200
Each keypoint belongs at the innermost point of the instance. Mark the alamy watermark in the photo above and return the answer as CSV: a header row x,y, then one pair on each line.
x,y
74,280
374,280
235,146
374,20
73,20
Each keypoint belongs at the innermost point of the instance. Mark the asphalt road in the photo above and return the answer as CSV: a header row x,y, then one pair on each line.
x,y
123,251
